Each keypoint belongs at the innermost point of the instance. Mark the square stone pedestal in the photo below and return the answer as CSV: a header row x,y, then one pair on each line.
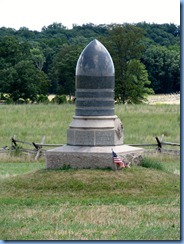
x,y
83,157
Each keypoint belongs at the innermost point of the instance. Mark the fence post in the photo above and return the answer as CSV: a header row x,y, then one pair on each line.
x,y
39,148
14,144
159,144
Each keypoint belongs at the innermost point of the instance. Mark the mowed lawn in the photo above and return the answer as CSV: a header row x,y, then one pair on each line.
x,y
140,203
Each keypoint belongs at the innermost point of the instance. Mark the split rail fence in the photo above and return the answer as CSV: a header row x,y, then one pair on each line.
x,y
38,149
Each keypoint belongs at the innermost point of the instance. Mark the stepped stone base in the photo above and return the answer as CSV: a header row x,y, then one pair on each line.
x,y
95,131
83,157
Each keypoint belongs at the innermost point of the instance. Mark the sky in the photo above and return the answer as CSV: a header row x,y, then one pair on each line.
x,y
35,14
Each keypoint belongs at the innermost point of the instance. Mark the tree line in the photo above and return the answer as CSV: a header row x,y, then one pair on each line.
x,y
146,58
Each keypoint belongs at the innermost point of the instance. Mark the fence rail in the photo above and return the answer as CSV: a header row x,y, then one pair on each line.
x,y
159,143
37,149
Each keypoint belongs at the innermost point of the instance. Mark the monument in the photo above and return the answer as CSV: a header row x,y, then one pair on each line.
x,y
95,130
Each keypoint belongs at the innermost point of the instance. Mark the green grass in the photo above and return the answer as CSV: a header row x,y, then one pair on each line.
x,y
141,122
164,162
132,204
12,169
148,163
140,203
31,122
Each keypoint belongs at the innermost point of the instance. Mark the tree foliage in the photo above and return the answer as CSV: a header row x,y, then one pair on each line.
x,y
126,46
34,63
136,88
63,69
163,65
38,57
23,80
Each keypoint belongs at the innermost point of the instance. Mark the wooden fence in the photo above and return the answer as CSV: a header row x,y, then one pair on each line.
x,y
35,149
38,149
161,146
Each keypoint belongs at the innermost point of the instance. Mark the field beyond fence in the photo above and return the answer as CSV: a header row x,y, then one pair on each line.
x,y
164,99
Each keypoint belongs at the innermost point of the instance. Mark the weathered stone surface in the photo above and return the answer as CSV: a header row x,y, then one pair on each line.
x,y
94,122
104,137
97,103
84,137
95,93
94,81
90,157
94,111
98,137
95,60
95,131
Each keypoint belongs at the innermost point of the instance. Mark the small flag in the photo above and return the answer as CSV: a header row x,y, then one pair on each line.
x,y
117,160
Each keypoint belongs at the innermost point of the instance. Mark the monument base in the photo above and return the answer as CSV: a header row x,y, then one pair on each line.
x,y
82,157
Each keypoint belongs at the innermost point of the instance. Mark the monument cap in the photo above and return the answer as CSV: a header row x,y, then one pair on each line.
x,y
95,60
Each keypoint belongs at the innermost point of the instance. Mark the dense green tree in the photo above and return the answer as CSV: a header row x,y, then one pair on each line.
x,y
63,70
126,47
136,82
23,80
55,50
24,34
162,34
7,77
12,50
54,28
89,31
38,57
163,67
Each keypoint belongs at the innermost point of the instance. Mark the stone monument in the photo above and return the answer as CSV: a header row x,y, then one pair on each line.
x,y
95,130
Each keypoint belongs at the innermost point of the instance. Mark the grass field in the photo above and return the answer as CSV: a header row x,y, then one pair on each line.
x,y
141,122
141,203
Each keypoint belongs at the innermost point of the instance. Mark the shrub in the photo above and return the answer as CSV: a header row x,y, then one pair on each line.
x,y
42,99
5,98
21,100
9,101
59,99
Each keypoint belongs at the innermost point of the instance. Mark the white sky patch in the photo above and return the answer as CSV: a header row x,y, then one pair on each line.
x,y
34,14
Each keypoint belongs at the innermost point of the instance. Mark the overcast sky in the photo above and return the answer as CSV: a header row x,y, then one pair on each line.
x,y
34,14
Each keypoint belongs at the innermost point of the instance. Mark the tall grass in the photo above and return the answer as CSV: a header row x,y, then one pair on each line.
x,y
32,122
141,122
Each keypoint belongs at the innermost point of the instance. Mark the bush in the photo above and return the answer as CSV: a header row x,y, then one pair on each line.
x,y
5,98
9,101
59,99
42,99
21,101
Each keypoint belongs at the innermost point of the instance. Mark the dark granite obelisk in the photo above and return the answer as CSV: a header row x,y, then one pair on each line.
x,y
95,129
94,123
95,82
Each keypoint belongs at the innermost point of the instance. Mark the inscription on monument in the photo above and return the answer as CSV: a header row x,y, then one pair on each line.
x,y
104,137
84,137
